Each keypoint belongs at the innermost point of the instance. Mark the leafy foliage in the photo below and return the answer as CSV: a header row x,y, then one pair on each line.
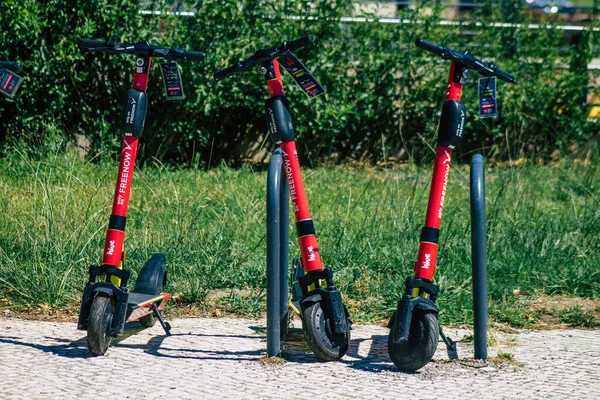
x,y
384,94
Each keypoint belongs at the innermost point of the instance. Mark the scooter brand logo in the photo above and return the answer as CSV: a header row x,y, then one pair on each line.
x,y
125,171
131,112
461,124
290,179
311,254
427,261
111,248
446,162
273,125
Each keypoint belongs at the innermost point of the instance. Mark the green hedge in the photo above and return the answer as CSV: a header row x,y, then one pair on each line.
x,y
384,94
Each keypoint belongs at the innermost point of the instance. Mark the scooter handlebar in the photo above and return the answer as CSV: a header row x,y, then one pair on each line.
x,y
144,49
465,58
91,45
430,46
11,66
505,76
225,72
294,45
185,55
263,55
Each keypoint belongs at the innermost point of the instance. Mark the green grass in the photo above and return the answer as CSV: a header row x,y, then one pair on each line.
x,y
577,317
543,232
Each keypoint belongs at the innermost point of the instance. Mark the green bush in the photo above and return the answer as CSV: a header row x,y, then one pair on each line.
x,y
384,94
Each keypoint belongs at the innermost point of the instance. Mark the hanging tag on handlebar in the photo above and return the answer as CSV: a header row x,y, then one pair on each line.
x,y
487,97
172,81
300,75
9,82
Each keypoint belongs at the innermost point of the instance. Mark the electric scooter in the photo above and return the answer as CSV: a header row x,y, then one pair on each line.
x,y
107,305
414,326
325,319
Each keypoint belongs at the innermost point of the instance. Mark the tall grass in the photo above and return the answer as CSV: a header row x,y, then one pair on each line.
x,y
543,230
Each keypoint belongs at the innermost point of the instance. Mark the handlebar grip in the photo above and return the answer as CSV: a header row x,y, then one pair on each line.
x,y
187,55
505,76
429,46
11,66
90,44
294,45
225,72
195,55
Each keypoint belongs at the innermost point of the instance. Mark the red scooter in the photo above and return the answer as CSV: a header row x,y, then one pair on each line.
x,y
414,326
325,319
107,305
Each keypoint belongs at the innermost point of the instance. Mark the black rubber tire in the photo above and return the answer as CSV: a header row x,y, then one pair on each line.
x,y
421,345
325,344
148,321
99,324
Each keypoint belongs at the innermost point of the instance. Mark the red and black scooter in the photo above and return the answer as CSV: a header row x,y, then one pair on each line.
x,y
108,304
325,320
415,330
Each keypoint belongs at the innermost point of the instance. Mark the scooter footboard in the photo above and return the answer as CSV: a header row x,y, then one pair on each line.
x,y
141,308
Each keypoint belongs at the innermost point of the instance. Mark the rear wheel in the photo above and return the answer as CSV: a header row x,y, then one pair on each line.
x,y
99,324
326,345
148,321
421,345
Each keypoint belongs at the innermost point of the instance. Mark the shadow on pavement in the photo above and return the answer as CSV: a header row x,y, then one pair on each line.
x,y
294,348
65,348
377,360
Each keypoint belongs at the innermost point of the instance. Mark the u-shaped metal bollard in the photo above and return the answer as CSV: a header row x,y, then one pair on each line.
x,y
277,254
479,257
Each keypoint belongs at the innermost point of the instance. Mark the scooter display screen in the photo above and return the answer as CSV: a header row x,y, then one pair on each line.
x,y
172,81
9,82
301,75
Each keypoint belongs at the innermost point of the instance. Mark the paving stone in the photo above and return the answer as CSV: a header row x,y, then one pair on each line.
x,y
220,358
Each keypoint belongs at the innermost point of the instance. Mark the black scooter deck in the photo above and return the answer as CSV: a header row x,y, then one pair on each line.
x,y
140,304
141,299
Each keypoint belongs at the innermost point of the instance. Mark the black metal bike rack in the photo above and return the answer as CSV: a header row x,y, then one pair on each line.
x,y
277,254
278,251
479,257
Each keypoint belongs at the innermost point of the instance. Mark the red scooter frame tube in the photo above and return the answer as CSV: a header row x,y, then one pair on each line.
x,y
115,236
309,248
427,256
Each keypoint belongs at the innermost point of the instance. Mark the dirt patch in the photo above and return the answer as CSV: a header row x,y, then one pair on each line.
x,y
550,312
176,308
560,312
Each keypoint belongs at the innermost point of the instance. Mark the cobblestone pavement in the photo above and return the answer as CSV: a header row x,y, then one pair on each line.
x,y
219,358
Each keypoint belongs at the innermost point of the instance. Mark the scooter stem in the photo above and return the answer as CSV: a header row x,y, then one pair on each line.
x,y
428,247
115,236
114,253
283,134
307,240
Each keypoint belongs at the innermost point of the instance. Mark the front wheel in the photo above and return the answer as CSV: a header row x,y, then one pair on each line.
x,y
99,324
326,345
421,345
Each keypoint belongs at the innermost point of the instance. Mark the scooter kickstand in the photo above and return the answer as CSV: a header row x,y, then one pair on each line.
x,y
450,346
166,326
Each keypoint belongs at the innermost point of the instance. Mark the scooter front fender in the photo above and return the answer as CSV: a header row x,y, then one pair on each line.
x,y
310,300
403,316
120,297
